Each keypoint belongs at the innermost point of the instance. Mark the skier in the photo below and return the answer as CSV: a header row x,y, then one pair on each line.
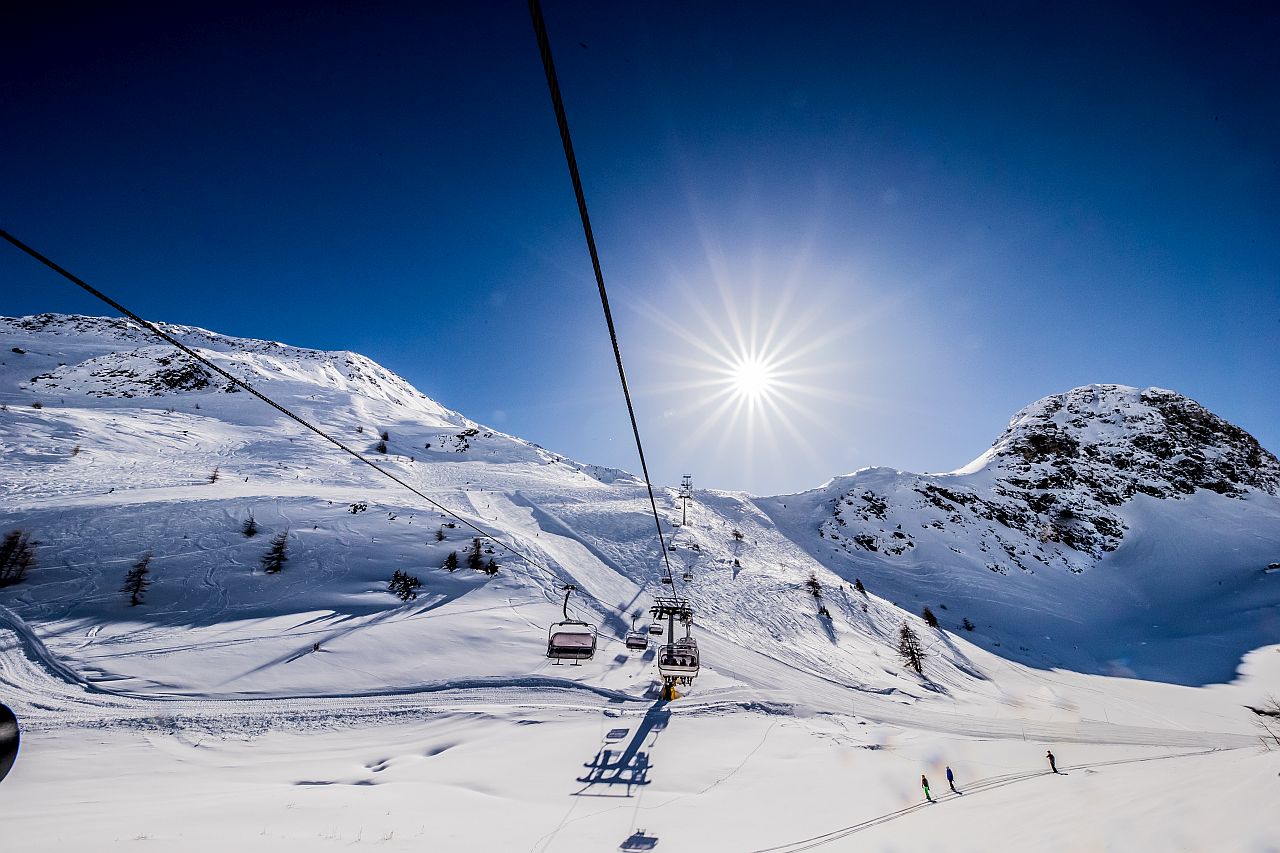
x,y
1053,764
951,780
924,783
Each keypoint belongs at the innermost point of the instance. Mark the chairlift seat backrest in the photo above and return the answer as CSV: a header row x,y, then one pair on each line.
x,y
571,641
679,659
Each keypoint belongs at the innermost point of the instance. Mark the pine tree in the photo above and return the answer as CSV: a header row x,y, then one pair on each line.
x,y
929,618
404,586
857,584
909,649
440,534
491,567
451,562
214,474
273,561
250,528
136,580
17,555
475,560
815,587
737,535
385,436
966,624
381,446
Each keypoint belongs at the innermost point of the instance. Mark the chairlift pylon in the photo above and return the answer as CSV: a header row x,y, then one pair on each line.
x,y
679,659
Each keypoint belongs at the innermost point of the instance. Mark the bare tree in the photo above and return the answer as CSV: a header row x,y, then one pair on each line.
x,y
1268,720
910,650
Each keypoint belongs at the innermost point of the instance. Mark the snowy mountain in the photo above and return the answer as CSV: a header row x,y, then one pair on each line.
x,y
1107,528
1108,531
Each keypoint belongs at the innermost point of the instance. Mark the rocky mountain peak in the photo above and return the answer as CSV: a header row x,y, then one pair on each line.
x,y
1049,492
1117,441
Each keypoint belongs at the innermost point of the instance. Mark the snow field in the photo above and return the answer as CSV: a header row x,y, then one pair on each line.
x,y
538,780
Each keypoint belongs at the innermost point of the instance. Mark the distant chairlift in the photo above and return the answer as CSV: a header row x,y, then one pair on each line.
x,y
688,576
655,628
637,638
571,639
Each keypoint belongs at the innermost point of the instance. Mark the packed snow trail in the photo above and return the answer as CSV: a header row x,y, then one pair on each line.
x,y
981,785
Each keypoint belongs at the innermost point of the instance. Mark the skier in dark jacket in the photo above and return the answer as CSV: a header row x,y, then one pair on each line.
x,y
951,780
1053,764
924,783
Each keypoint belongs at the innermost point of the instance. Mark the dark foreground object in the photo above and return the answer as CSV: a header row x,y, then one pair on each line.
x,y
9,738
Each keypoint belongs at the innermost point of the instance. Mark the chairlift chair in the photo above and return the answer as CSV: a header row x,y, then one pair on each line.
x,y
638,641
655,628
679,661
688,576
571,639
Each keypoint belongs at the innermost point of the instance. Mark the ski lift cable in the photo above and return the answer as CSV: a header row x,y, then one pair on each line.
x,y
557,103
163,335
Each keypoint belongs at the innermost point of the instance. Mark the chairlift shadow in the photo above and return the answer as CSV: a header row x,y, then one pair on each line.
x,y
638,840
610,770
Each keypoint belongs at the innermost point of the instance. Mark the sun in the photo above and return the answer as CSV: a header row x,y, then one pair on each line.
x,y
753,377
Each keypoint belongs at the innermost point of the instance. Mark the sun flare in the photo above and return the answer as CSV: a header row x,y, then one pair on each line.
x,y
753,377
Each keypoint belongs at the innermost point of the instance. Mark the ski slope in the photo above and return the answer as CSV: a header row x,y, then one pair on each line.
x,y
219,721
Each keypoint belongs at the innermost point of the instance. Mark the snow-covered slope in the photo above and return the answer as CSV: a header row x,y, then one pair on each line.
x,y
115,447
1109,530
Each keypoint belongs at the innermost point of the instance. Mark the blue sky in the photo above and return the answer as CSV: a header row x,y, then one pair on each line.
x,y
924,216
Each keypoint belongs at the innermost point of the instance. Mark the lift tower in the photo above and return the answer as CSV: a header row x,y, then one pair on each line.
x,y
686,495
678,659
